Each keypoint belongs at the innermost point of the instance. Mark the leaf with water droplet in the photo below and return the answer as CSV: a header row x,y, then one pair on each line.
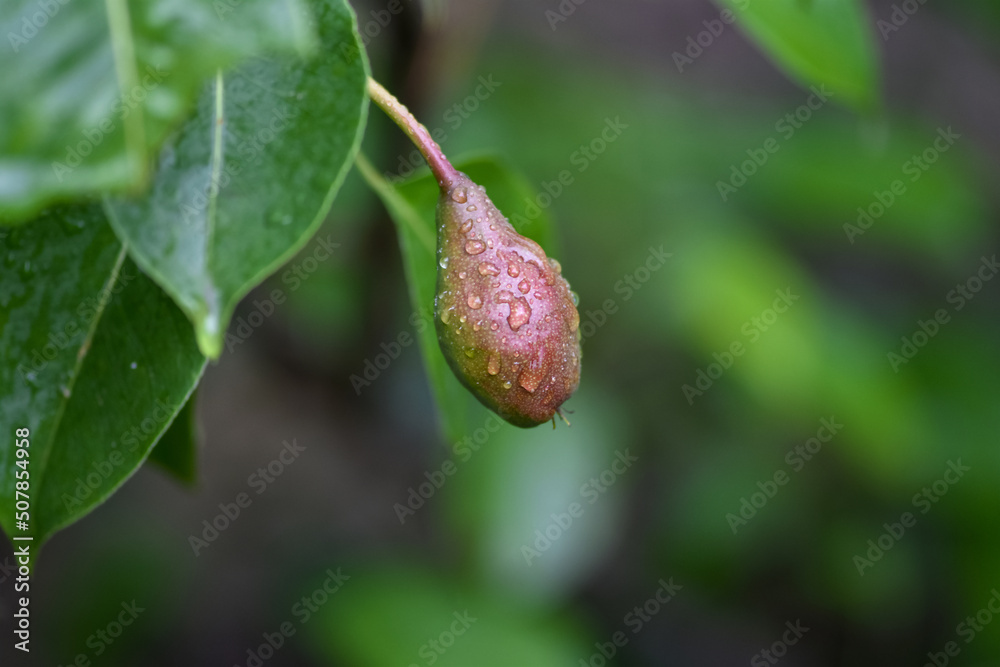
x,y
220,219
95,361
88,102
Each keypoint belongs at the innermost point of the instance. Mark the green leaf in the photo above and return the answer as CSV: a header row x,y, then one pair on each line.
x,y
95,361
90,89
177,450
411,205
817,42
247,181
488,630
514,482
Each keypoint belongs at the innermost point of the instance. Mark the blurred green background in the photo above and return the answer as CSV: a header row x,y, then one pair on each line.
x,y
701,504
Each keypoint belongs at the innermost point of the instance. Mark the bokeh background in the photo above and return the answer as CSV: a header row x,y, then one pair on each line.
x,y
718,538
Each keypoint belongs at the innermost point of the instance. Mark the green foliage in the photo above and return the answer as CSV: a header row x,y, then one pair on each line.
x,y
818,42
177,449
97,361
481,629
97,357
85,103
249,179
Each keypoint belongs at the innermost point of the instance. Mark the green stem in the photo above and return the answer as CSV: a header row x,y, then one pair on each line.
x,y
447,175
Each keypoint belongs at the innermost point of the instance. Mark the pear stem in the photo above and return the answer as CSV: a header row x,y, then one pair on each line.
x,y
445,173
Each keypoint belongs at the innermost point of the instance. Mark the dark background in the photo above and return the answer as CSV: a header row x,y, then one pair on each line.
x,y
668,516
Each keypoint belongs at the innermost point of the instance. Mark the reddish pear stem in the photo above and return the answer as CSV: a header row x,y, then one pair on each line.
x,y
446,174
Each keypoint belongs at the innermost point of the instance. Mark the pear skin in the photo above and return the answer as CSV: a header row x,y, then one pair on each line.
x,y
505,317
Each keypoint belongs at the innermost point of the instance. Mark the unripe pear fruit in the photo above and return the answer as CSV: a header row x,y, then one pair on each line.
x,y
506,319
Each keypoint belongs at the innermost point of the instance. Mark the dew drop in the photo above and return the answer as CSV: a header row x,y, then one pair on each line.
x,y
475,301
493,365
513,271
530,380
458,195
556,266
466,226
469,352
496,326
520,313
507,385
446,315
487,269
443,262
463,319
475,247
576,298
470,208
462,275
524,287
